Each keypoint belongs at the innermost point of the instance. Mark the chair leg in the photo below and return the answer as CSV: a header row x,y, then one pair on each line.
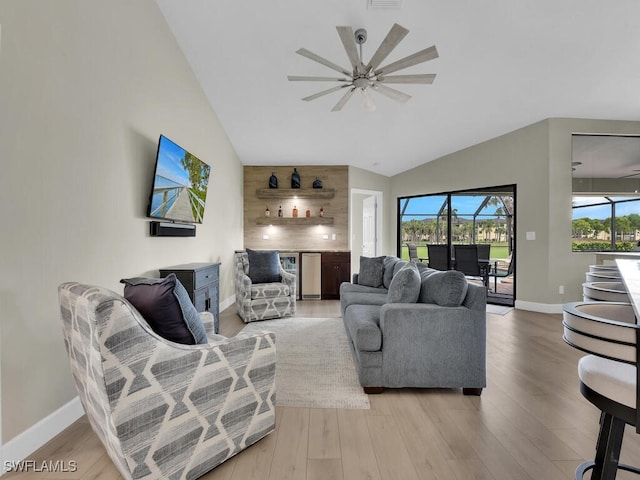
x,y
608,449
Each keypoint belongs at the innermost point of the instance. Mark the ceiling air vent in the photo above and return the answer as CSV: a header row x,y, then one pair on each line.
x,y
384,4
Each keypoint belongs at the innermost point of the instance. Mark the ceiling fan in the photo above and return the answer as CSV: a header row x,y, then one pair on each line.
x,y
370,76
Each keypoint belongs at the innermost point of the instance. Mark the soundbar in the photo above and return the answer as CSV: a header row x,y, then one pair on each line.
x,y
168,229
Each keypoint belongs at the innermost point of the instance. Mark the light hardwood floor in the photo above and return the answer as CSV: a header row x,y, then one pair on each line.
x,y
530,423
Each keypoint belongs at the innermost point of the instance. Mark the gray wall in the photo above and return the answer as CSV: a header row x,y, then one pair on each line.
x,y
86,87
536,158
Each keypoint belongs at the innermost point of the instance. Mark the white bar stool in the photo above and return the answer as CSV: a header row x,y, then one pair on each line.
x,y
604,292
608,332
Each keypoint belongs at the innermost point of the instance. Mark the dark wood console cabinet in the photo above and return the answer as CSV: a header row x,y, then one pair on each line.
x,y
201,280
335,268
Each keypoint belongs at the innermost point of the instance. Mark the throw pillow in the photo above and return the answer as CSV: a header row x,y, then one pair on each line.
x,y
389,264
405,285
447,288
264,266
165,305
371,270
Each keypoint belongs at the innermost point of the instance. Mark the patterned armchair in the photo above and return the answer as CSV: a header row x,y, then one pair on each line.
x,y
162,409
263,301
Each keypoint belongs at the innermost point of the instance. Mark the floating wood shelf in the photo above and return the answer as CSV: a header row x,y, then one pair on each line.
x,y
266,193
294,221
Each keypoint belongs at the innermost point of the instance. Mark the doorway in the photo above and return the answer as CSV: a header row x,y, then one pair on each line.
x,y
365,225
484,216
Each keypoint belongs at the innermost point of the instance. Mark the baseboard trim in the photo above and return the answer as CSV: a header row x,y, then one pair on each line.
x,y
27,442
227,302
538,307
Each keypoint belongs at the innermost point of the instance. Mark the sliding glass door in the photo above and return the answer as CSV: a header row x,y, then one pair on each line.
x,y
483,216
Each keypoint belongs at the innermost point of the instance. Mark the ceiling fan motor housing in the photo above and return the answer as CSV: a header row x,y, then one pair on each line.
x,y
361,36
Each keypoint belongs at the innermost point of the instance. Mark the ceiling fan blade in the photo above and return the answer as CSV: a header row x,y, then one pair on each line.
x,y
324,92
317,58
426,78
367,101
391,41
293,78
419,57
345,98
349,42
392,93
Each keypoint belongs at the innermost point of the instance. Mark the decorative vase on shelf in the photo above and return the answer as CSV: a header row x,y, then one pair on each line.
x,y
307,213
317,183
280,212
321,211
295,179
273,181
295,212
267,212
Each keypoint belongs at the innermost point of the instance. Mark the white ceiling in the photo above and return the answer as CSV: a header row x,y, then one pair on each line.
x,y
503,64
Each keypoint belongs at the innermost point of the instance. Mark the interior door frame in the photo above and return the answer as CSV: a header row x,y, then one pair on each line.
x,y
355,209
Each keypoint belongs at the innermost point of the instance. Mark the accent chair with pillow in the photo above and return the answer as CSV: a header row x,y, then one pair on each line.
x,y
264,290
164,409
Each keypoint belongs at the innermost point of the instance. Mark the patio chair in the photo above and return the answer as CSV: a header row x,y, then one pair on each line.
x,y
413,253
496,272
438,257
468,262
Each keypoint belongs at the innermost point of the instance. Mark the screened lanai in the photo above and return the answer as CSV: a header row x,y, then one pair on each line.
x,y
472,217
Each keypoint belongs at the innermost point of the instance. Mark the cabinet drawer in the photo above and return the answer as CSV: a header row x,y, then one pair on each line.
x,y
205,276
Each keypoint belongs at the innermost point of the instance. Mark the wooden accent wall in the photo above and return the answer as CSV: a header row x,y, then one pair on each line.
x,y
301,233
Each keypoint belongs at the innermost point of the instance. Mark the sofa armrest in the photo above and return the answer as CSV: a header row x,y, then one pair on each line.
x,y
447,342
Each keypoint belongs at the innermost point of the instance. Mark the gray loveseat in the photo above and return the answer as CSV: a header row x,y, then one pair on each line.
x,y
412,326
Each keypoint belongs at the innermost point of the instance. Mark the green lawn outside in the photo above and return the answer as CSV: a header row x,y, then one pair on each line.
x,y
498,250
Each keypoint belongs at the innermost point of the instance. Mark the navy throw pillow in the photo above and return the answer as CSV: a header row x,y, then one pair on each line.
x,y
167,308
264,266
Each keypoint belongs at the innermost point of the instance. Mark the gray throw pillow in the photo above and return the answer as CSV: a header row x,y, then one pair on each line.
x,y
405,285
165,305
389,264
371,269
264,266
447,289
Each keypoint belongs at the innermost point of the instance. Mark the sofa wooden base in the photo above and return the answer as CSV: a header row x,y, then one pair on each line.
x,y
373,390
472,391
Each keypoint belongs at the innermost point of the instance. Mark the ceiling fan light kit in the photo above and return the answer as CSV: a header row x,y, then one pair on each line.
x,y
369,77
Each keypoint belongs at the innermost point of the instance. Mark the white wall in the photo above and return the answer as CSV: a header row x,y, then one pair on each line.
x,y
86,87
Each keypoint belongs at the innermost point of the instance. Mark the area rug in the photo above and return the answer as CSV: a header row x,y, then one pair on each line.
x,y
498,309
314,366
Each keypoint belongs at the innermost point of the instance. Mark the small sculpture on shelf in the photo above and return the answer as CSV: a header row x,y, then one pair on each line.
x,y
295,179
321,212
267,212
280,215
273,181
317,183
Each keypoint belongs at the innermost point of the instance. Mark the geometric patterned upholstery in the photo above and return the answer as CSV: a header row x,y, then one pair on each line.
x,y
165,410
263,301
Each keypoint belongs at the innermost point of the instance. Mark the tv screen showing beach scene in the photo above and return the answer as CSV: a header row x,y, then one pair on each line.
x,y
179,184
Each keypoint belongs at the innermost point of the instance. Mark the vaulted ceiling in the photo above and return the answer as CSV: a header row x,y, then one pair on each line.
x,y
503,64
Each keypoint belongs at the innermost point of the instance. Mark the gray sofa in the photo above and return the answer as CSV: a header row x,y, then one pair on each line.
x,y
412,326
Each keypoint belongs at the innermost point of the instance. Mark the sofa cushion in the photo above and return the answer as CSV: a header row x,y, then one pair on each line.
x,y
445,288
361,298
405,285
356,287
363,324
398,265
264,266
389,264
371,270
165,305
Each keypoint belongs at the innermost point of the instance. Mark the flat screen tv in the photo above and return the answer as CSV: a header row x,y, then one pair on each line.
x,y
180,181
